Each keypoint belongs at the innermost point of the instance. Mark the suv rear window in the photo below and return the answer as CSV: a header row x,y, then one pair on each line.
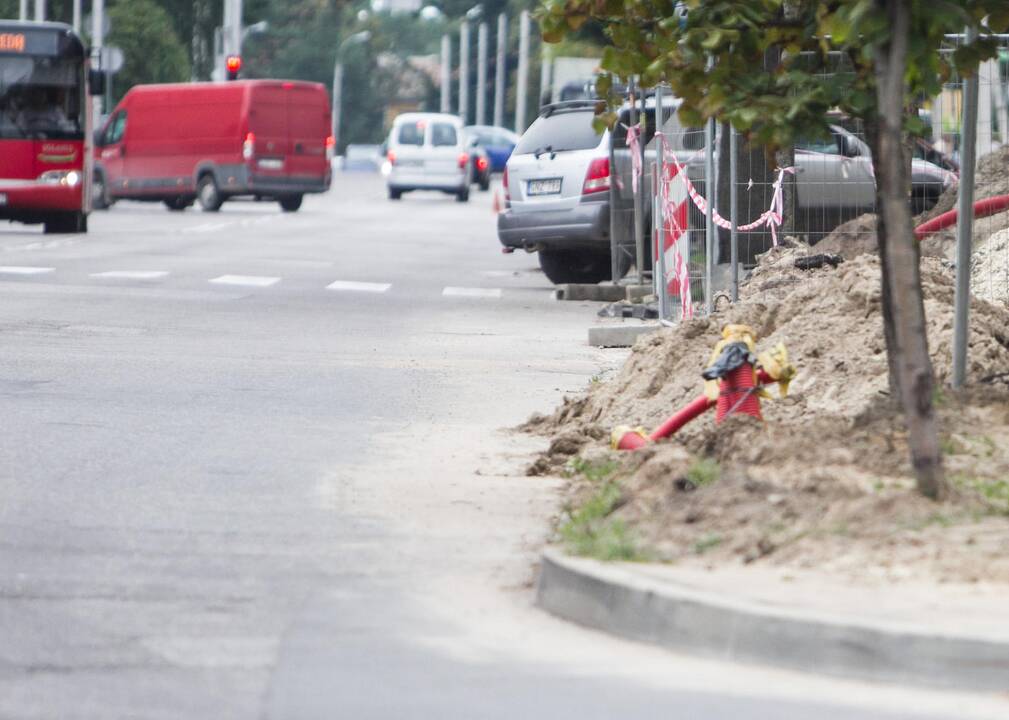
x,y
559,132
411,134
443,135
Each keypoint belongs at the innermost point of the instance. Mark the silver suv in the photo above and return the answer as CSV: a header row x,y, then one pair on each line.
x,y
557,195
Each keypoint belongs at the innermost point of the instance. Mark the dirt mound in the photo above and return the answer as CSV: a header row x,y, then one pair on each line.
x,y
829,319
989,273
852,238
831,455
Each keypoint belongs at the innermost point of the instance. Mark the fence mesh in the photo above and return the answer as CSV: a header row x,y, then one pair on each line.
x,y
828,202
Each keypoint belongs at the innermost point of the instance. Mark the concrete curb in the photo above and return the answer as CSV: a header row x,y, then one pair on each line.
x,y
618,335
621,602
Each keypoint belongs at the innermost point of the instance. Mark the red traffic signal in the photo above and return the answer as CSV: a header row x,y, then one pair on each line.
x,y
233,64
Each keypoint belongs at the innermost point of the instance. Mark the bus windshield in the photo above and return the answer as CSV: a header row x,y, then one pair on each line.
x,y
40,98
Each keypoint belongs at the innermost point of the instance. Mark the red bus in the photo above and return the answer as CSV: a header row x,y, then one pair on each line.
x,y
45,126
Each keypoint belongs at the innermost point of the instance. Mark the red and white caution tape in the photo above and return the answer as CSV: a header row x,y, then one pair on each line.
x,y
772,218
634,145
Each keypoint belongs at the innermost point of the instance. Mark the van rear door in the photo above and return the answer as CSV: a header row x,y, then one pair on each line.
x,y
308,126
268,124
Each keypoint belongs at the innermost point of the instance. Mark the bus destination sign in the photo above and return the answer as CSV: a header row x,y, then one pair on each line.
x,y
12,42
29,42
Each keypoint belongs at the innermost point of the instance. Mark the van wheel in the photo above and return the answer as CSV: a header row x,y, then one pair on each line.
x,y
178,203
395,194
574,266
290,203
99,193
71,222
463,195
208,195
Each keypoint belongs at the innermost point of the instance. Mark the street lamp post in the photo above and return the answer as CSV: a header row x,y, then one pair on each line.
x,y
359,37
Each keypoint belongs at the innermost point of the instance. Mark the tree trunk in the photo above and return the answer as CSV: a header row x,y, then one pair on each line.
x,y
900,251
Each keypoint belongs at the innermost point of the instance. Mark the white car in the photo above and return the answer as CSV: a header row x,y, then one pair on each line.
x,y
557,195
427,151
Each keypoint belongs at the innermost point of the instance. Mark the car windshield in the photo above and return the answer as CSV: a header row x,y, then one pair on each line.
x,y
443,135
560,132
40,98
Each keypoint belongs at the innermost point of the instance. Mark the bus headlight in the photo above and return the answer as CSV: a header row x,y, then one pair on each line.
x,y
67,178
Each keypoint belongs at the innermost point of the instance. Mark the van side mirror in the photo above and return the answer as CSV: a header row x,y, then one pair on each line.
x,y
96,82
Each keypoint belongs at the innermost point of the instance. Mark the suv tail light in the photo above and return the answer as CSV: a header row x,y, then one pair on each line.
x,y
463,160
597,179
249,146
330,148
481,163
507,194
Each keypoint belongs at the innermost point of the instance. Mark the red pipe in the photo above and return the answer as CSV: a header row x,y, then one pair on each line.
x,y
696,408
982,208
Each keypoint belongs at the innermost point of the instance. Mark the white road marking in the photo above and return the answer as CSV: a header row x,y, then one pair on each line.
x,y
471,292
208,227
248,280
131,274
352,286
24,270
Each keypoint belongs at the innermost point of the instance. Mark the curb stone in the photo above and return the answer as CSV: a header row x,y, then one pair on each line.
x,y
616,600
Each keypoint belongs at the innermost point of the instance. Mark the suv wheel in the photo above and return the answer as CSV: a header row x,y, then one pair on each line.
x,y
463,195
575,266
395,194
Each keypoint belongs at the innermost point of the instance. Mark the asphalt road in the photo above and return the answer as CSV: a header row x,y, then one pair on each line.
x,y
252,466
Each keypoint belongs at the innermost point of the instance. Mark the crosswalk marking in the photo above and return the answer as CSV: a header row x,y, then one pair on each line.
x,y
24,270
471,292
353,286
131,274
247,280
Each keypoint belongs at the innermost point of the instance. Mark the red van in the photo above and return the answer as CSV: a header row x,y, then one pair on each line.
x,y
207,142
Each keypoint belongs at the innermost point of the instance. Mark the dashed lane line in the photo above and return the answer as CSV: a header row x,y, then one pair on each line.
x,y
471,292
131,274
354,286
24,270
246,280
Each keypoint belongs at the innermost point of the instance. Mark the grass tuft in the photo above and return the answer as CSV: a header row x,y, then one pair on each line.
x,y
591,531
703,471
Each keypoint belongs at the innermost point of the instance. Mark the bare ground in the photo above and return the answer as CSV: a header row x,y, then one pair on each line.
x,y
825,482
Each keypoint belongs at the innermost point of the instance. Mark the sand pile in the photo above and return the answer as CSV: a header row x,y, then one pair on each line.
x,y
830,465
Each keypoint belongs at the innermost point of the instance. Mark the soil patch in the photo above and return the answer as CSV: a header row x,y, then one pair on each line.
x,y
825,480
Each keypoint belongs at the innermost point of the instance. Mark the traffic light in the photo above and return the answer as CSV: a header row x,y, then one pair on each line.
x,y
233,65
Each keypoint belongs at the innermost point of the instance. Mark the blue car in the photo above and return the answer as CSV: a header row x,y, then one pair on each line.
x,y
497,141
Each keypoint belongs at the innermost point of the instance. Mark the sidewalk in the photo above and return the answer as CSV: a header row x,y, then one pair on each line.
x,y
949,635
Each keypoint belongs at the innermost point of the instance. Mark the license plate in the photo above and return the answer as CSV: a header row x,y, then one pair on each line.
x,y
410,163
271,164
3,198
544,187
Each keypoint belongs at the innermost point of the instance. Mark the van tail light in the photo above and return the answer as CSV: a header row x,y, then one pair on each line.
x,y
597,179
481,163
507,194
249,146
391,157
463,160
330,148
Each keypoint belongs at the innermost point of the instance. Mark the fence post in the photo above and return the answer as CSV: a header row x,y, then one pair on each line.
x,y
658,218
734,212
709,220
965,225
